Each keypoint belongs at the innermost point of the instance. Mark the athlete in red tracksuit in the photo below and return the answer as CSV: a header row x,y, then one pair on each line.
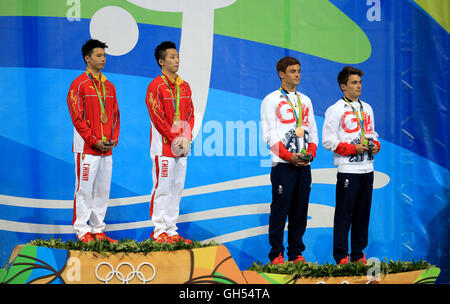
x,y
94,111
171,113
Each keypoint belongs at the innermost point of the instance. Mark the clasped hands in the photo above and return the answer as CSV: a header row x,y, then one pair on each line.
x,y
181,146
361,148
100,145
297,161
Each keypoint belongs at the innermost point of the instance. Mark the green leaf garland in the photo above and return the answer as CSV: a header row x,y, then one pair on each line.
x,y
330,270
125,245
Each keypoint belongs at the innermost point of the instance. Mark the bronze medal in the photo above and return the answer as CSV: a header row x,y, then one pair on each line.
x,y
104,118
299,132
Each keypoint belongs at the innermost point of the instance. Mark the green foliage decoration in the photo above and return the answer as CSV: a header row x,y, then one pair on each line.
x,y
330,270
295,269
125,245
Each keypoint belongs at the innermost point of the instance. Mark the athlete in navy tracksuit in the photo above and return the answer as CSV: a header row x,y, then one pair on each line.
x,y
349,122
290,130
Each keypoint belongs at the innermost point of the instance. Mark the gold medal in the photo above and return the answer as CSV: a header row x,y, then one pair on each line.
x,y
176,126
299,132
104,118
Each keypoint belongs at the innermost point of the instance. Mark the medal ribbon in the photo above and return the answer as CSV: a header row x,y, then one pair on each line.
x,y
300,111
176,101
102,102
360,120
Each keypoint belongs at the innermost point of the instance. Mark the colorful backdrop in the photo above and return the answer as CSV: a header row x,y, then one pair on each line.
x,y
228,51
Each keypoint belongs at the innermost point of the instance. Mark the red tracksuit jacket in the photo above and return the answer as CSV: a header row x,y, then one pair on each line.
x,y
160,105
85,111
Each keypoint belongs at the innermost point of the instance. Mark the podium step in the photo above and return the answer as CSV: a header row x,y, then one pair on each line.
x,y
31,264
42,265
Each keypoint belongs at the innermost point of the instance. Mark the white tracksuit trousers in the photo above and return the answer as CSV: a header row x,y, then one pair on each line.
x,y
92,186
168,184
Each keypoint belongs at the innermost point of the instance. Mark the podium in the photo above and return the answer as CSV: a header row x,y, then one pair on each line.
x,y
30,264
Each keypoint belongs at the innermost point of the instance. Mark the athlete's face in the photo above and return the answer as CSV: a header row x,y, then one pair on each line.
x,y
171,63
291,78
96,61
352,89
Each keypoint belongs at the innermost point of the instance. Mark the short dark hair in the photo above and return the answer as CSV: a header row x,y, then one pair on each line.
x,y
284,62
90,45
346,72
161,50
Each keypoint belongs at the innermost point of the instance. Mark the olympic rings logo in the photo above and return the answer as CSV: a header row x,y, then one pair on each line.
x,y
130,276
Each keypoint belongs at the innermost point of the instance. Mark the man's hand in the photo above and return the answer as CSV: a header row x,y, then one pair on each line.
x,y
296,161
177,146
104,148
181,146
360,149
185,144
374,149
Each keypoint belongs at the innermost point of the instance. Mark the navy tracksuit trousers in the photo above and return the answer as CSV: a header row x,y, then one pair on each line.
x,y
353,202
291,187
